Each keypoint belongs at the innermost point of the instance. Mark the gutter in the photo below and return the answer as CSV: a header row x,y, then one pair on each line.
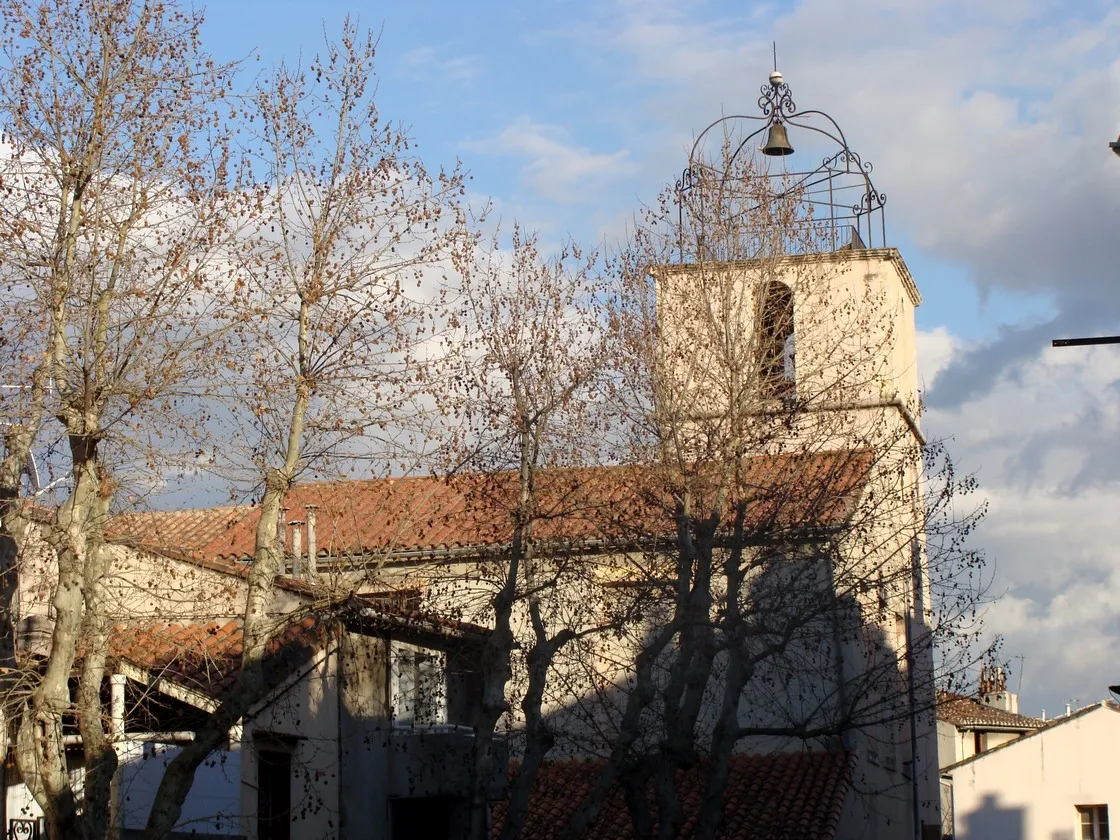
x,y
141,737
596,547
895,403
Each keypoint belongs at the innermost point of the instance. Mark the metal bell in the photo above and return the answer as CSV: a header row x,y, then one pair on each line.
x,y
777,143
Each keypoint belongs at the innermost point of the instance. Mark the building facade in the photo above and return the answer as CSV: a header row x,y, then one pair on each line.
x,y
1055,783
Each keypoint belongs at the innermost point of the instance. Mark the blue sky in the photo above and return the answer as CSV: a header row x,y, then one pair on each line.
x,y
556,111
988,126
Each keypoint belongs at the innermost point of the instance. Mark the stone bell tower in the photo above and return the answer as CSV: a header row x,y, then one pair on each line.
x,y
787,321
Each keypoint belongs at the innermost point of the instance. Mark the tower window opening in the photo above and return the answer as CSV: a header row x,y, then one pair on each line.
x,y
777,359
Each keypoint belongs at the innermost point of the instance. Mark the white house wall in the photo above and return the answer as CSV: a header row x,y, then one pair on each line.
x,y
304,713
1029,790
213,806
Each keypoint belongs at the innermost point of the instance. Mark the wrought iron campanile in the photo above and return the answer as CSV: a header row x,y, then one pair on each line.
x,y
837,195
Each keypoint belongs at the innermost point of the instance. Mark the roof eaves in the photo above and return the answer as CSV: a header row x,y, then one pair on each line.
x,y
968,726
166,684
424,624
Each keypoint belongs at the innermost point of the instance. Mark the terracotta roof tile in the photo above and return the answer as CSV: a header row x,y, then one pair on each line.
x,y
385,516
207,657
777,796
969,713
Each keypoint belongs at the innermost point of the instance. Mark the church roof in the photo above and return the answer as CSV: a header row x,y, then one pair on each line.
x,y
413,515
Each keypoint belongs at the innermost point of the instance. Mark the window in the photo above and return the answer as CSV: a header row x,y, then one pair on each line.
x,y
777,344
274,794
1094,822
428,817
418,687
980,741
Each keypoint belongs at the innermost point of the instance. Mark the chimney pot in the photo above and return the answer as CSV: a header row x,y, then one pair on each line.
x,y
312,546
297,547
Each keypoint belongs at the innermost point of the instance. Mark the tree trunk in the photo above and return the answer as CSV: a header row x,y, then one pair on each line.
x,y
538,738
40,752
100,755
496,653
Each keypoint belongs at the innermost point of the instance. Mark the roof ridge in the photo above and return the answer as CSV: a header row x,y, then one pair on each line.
x,y
185,511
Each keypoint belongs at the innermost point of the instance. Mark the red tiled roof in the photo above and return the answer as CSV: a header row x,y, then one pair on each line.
x,y
776,796
969,713
206,657
413,514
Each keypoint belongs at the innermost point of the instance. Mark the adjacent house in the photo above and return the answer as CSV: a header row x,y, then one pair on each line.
x,y
968,726
365,727
1058,782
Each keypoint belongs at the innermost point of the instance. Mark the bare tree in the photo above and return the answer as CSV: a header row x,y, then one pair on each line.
x,y
351,237
525,376
115,184
764,384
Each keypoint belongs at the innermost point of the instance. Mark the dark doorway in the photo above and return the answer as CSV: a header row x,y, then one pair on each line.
x,y
427,817
274,795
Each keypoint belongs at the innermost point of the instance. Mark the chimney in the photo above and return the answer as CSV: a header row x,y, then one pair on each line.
x,y
312,547
297,547
993,690
1003,700
281,539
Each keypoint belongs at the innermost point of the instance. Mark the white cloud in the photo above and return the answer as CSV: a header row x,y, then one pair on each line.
x,y
1043,441
433,62
935,351
557,169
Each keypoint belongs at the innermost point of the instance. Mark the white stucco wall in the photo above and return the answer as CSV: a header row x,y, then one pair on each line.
x,y
1029,789
213,805
211,808
305,712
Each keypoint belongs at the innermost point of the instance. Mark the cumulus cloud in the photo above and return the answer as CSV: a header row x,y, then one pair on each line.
x,y
1042,439
936,348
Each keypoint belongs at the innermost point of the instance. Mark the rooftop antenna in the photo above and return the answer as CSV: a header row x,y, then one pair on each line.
x,y
1022,664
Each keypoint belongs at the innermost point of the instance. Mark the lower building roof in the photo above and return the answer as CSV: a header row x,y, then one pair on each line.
x,y
777,796
969,713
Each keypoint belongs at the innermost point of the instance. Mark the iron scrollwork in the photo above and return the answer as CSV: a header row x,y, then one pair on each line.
x,y
23,830
688,179
837,194
870,201
776,100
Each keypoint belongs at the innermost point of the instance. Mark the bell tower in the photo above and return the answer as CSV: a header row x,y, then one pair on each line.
x,y
786,324
794,261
